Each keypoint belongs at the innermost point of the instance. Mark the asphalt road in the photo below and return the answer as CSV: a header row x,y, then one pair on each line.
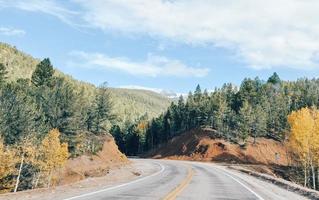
x,y
191,180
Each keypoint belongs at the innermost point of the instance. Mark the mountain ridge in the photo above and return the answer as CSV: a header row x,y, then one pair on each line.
x,y
129,104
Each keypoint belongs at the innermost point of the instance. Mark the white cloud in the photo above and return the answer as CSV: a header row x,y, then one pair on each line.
x,y
153,66
11,31
50,7
263,34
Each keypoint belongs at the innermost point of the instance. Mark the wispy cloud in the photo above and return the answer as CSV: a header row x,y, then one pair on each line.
x,y
263,34
153,66
50,7
11,31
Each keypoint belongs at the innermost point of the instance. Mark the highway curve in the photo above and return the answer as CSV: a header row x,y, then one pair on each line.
x,y
190,180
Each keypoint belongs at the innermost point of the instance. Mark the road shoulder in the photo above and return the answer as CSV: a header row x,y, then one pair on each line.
x,y
134,170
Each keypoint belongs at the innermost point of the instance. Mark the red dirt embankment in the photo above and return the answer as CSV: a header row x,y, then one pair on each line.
x,y
202,145
84,166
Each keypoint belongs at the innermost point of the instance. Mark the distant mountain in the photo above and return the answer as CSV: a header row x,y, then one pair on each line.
x,y
167,93
129,104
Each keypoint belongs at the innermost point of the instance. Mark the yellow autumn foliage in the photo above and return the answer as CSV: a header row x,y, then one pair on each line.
x,y
302,127
315,137
7,166
53,154
304,140
48,156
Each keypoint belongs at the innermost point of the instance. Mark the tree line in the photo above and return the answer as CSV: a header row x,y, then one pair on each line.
x,y
44,112
256,108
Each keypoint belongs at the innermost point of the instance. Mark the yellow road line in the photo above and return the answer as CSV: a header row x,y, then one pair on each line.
x,y
174,193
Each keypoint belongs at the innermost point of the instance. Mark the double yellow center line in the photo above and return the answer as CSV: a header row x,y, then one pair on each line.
x,y
176,191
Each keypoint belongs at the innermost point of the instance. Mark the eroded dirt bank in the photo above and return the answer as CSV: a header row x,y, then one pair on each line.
x,y
203,145
93,165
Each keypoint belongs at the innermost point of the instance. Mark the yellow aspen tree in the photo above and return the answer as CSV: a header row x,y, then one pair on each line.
x,y
315,141
301,131
53,154
7,167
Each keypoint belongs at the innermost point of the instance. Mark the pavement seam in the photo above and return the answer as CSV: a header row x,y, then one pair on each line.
x,y
179,189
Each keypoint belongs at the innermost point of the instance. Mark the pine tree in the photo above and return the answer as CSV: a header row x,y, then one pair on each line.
x,y
3,74
119,138
59,106
132,140
43,73
17,113
180,115
197,94
274,79
166,126
259,122
245,121
102,109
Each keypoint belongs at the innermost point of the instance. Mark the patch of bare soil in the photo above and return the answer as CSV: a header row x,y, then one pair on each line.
x,y
93,165
204,145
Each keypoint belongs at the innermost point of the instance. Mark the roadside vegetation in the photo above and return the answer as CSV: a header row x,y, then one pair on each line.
x,y
255,109
37,101
44,121
283,111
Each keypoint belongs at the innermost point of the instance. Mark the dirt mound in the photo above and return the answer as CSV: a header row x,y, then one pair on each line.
x,y
93,165
203,145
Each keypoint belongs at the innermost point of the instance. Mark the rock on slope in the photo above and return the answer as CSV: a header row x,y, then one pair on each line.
x,y
202,145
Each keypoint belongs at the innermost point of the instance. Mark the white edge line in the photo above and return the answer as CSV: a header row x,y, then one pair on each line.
x,y
238,181
118,186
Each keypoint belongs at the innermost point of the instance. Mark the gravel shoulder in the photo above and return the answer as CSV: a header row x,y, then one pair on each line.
x,y
272,180
135,170
265,189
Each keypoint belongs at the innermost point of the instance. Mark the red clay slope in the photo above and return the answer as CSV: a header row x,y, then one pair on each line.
x,y
93,165
202,145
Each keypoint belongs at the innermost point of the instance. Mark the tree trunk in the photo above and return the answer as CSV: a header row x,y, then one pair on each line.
x,y
313,176
305,177
19,174
38,175
49,179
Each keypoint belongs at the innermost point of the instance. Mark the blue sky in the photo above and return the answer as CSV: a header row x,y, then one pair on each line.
x,y
170,45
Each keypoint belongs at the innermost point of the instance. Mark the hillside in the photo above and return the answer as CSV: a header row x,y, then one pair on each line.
x,y
129,104
132,103
203,145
